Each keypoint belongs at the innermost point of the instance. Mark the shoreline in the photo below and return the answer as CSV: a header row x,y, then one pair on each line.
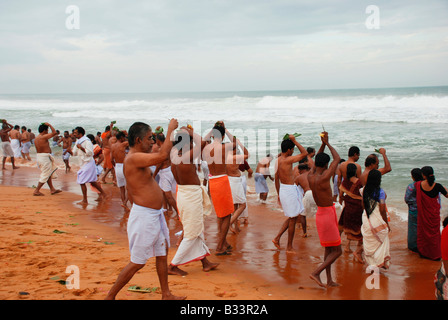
x,y
95,241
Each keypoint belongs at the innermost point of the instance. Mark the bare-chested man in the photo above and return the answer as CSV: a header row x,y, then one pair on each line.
x,y
6,144
193,202
66,141
14,134
166,179
353,157
107,163
215,154
234,160
372,162
45,160
309,205
326,218
262,172
118,154
289,194
25,140
148,233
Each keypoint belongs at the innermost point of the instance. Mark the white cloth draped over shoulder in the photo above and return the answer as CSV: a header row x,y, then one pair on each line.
x,y
87,171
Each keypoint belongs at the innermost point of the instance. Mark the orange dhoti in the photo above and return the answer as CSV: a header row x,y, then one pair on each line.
x,y
327,226
221,195
107,164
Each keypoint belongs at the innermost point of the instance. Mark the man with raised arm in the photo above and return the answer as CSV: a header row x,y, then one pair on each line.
x,y
289,194
148,233
45,160
326,218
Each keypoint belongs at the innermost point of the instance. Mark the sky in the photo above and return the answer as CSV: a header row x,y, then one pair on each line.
x,y
220,45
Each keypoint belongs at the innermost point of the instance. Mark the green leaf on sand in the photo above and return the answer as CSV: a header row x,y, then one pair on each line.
x,y
58,231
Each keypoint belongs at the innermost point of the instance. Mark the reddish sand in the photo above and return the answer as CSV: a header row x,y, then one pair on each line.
x,y
34,254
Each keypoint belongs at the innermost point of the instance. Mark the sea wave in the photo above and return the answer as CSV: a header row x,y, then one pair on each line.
x,y
270,108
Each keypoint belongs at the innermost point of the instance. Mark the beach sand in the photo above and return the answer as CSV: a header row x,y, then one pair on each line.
x,y
42,236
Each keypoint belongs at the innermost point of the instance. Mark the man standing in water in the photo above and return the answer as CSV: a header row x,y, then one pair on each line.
x,y
6,144
326,218
148,233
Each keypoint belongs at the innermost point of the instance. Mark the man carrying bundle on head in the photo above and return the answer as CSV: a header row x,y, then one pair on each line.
x,y
193,201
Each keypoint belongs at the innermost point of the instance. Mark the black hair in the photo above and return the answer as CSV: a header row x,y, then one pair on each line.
x,y
351,170
80,130
160,137
180,140
287,145
137,130
42,127
220,129
428,172
107,128
371,159
91,137
352,151
416,173
310,150
322,159
120,135
445,222
23,128
371,191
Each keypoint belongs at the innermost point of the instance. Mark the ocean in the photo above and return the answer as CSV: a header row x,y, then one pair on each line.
x,y
410,123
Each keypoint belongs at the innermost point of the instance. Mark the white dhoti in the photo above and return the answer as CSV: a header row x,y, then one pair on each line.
x,y
167,182
121,181
375,235
26,147
47,166
291,200
309,204
148,234
245,213
238,193
261,186
65,155
7,149
193,204
87,173
15,145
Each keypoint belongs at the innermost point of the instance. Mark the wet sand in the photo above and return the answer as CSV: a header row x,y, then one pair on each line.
x,y
34,258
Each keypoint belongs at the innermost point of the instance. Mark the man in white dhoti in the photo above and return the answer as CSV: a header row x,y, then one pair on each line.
x,y
234,160
6,144
289,195
14,134
45,160
147,229
262,172
87,170
193,202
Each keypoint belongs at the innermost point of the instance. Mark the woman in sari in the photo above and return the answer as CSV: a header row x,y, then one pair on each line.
x,y
375,226
351,217
428,219
410,198
440,279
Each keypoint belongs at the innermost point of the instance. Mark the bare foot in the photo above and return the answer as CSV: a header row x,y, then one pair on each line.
x,y
317,279
357,258
276,244
83,203
56,191
170,296
38,194
174,270
211,266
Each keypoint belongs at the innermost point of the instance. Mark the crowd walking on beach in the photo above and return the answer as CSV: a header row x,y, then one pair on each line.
x,y
180,174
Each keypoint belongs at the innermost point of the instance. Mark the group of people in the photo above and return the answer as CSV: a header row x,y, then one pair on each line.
x,y
194,176
16,143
